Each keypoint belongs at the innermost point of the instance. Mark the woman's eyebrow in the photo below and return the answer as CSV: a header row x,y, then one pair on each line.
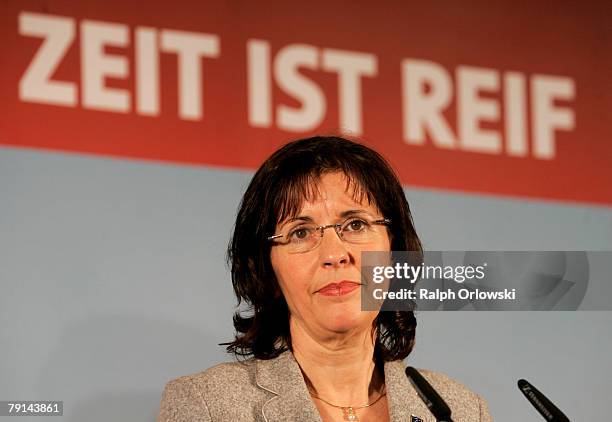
x,y
305,218
309,219
352,212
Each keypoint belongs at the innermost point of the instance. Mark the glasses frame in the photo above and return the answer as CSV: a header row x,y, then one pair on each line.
x,y
337,228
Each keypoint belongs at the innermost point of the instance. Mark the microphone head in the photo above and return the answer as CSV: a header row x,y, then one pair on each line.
x,y
436,404
544,406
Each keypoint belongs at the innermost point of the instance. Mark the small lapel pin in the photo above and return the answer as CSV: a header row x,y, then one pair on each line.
x,y
415,419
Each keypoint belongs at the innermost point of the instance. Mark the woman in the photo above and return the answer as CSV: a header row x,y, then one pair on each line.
x,y
313,354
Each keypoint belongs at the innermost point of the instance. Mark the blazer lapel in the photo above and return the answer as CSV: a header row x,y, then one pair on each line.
x,y
290,400
403,400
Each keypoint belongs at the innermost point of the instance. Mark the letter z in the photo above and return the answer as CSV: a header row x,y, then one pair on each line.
x,y
35,84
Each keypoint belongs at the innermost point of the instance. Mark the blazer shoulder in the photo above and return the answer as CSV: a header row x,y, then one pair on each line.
x,y
202,395
218,376
458,396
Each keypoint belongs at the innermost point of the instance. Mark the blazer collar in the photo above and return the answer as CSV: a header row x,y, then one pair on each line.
x,y
291,400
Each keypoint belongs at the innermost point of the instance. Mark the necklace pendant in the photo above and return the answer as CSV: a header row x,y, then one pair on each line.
x,y
349,414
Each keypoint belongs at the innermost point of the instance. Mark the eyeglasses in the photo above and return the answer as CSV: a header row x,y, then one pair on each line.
x,y
306,237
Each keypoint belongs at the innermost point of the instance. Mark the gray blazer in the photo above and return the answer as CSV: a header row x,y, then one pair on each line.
x,y
274,390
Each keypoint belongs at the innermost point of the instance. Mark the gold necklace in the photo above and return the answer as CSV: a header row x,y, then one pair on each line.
x,y
348,412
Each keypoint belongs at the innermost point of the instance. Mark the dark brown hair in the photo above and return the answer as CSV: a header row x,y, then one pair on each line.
x,y
277,191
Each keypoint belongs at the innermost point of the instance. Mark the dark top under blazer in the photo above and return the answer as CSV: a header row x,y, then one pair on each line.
x,y
274,390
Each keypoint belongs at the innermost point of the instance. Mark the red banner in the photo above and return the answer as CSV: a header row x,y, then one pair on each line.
x,y
505,99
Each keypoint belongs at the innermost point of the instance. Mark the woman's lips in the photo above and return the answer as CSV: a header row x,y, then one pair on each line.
x,y
339,289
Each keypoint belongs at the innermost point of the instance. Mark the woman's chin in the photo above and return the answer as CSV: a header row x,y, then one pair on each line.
x,y
342,320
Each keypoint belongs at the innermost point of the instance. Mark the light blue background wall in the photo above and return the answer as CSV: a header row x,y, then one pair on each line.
x,y
114,281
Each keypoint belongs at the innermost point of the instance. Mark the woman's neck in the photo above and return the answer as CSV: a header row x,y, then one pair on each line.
x,y
340,370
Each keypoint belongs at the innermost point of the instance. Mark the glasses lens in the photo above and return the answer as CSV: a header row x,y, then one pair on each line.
x,y
302,239
356,230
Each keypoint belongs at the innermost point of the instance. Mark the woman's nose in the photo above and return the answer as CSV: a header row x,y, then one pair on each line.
x,y
333,250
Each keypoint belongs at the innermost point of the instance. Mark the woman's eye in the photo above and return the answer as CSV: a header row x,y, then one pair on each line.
x,y
299,234
356,225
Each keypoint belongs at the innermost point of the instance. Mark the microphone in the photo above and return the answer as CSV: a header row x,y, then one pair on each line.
x,y
436,405
541,403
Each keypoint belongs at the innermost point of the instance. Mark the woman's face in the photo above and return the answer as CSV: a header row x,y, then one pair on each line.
x,y
305,278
